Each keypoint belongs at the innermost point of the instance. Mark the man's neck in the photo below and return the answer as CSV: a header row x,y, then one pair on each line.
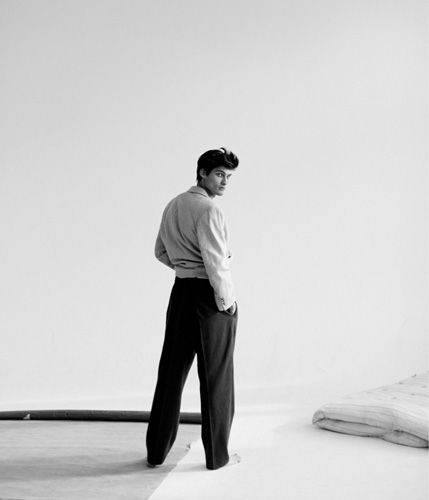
x,y
209,194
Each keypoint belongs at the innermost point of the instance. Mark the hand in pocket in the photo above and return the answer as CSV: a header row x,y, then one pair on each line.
x,y
231,310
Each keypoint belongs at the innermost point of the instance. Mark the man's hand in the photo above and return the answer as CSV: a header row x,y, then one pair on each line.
x,y
231,310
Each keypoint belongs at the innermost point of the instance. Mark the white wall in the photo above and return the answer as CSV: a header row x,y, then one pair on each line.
x,y
105,107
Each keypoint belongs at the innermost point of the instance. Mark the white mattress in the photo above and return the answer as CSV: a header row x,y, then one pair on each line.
x,y
398,413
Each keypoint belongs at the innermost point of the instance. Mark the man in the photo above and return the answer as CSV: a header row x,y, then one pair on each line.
x,y
201,315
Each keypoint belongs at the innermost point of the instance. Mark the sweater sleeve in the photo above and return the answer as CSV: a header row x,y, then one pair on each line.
x,y
161,252
212,239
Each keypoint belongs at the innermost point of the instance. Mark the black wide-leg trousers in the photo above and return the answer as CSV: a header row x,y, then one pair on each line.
x,y
194,326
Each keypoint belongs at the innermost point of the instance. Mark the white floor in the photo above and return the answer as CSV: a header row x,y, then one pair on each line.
x,y
285,457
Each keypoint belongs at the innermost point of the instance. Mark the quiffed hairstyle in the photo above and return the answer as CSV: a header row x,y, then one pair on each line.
x,y
214,158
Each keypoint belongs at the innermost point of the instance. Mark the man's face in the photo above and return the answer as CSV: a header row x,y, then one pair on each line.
x,y
215,183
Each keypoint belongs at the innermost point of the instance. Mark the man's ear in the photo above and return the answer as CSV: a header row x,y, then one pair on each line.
x,y
203,173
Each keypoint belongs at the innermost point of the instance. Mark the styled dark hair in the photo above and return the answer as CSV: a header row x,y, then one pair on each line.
x,y
214,158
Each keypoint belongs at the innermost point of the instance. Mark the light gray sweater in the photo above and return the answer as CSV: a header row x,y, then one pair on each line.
x,y
192,240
